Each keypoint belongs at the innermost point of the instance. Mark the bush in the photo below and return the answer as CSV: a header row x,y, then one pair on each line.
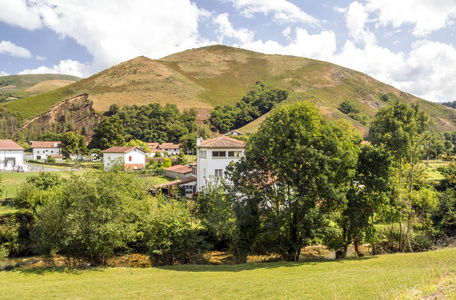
x,y
51,159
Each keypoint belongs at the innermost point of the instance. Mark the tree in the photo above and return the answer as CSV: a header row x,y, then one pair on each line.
x,y
401,129
108,133
167,163
181,159
136,143
70,142
89,217
295,168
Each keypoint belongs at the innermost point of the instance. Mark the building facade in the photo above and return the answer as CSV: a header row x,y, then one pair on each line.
x,y
41,150
11,156
132,158
213,156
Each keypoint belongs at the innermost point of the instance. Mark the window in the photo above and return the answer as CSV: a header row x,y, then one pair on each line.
x,y
129,158
218,173
203,154
204,173
234,153
218,153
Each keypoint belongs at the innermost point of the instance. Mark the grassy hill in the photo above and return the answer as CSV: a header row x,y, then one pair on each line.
x,y
381,277
206,77
34,84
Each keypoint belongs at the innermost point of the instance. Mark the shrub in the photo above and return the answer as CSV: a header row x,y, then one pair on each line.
x,y
51,159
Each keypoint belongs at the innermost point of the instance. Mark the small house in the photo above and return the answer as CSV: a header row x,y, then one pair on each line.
x,y
132,158
41,150
178,171
11,156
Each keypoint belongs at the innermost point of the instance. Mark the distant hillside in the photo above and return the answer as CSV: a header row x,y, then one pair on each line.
x,y
34,84
206,77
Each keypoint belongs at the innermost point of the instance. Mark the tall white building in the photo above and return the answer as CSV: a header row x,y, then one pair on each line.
x,y
213,156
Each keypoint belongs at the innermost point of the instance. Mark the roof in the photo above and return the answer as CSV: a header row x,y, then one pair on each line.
x,y
222,142
192,164
122,149
39,144
169,146
9,145
179,169
153,145
177,182
133,166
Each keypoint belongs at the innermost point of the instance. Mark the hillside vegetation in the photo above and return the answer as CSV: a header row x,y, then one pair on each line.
x,y
217,75
29,85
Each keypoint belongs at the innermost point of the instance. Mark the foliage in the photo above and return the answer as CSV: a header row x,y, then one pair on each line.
x,y
167,163
69,143
348,108
214,210
36,190
154,123
181,159
257,102
136,143
51,159
294,162
169,236
108,133
89,217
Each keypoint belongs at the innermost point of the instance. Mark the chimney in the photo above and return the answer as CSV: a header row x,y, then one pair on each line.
x,y
198,141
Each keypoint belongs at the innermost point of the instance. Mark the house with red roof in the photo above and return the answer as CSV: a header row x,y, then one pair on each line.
x,y
178,171
41,150
170,148
132,158
214,155
11,156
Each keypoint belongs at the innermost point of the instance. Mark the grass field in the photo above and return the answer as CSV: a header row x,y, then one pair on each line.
x,y
381,277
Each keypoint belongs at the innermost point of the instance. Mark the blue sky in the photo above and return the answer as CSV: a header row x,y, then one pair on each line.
x,y
406,43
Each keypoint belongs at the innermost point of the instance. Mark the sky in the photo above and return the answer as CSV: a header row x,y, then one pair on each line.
x,y
408,44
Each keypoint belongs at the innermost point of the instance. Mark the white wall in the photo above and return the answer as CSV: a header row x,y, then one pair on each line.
x,y
206,166
45,152
137,157
11,158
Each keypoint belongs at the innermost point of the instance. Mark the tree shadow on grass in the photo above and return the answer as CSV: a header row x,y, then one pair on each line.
x,y
51,270
260,265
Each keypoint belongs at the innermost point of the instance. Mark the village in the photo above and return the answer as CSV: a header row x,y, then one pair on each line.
x,y
212,157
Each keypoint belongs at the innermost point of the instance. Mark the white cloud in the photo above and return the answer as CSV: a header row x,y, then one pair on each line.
x,y
226,30
18,13
356,17
286,33
8,48
116,30
42,58
69,67
318,46
282,10
426,15
2,73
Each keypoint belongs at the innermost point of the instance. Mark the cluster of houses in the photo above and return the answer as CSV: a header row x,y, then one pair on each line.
x,y
212,158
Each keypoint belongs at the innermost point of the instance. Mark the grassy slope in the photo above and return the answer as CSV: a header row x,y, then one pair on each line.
x,y
383,276
21,83
214,75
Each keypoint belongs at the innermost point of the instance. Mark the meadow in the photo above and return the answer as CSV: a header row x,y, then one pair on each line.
x,y
373,277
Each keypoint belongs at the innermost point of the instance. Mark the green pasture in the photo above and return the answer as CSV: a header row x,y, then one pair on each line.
x,y
379,277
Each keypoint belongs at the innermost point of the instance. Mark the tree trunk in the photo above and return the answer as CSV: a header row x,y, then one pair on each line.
x,y
355,243
401,242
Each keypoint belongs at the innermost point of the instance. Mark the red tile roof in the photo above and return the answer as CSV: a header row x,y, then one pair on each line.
x,y
222,142
122,149
153,145
133,166
179,169
169,146
39,144
9,145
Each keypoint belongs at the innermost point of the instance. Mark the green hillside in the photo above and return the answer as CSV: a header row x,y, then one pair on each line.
x,y
29,85
206,77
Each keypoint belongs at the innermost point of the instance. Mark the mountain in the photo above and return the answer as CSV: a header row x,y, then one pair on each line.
x,y
29,85
206,77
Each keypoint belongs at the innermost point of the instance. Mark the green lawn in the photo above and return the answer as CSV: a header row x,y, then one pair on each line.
x,y
381,277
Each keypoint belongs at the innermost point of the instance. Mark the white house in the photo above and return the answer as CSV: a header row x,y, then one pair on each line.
x,y
11,155
41,150
170,148
133,158
214,155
